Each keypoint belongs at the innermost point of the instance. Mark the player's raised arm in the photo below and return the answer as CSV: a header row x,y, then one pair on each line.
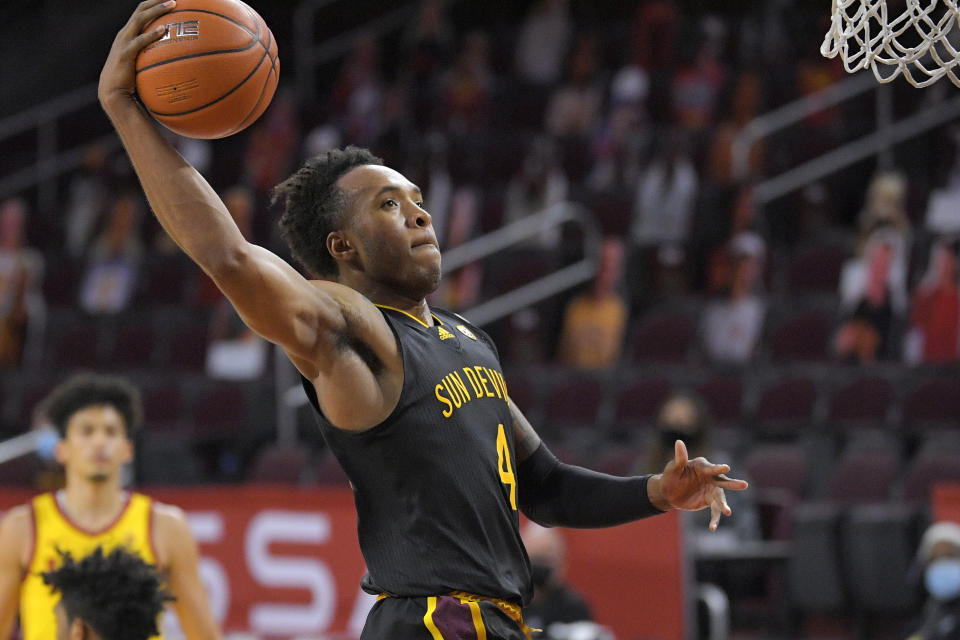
x,y
331,332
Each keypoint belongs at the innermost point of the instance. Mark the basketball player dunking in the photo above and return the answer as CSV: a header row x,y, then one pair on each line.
x,y
96,417
410,399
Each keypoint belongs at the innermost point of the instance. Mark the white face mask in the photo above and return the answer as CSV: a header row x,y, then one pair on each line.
x,y
942,578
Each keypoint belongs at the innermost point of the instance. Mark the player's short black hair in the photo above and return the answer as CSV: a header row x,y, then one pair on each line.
x,y
314,204
117,594
89,390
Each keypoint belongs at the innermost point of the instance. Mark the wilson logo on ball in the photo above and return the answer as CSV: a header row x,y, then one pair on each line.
x,y
186,29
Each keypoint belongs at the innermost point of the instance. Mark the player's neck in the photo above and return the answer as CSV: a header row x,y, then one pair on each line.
x,y
92,505
384,296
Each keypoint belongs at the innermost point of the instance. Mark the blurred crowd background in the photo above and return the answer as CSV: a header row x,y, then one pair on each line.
x,y
812,340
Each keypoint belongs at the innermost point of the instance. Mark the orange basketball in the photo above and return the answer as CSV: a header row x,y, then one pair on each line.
x,y
214,71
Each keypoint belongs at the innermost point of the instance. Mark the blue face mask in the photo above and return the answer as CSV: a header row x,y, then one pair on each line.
x,y
942,578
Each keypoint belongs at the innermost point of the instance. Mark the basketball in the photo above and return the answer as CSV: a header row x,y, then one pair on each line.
x,y
214,71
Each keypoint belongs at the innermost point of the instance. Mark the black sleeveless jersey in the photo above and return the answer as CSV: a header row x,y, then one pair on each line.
x,y
435,483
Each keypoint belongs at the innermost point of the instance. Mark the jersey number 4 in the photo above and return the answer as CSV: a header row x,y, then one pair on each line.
x,y
505,467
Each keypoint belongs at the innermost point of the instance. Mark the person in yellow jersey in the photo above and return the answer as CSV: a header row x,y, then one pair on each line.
x,y
96,416
107,596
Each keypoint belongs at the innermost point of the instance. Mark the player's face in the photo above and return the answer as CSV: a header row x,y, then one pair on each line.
x,y
393,233
95,446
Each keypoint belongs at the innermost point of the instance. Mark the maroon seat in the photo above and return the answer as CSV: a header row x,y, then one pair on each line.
x,y
163,405
639,401
573,399
78,347
817,268
936,399
866,398
220,408
134,346
279,464
803,336
790,399
723,396
780,467
863,476
662,337
927,468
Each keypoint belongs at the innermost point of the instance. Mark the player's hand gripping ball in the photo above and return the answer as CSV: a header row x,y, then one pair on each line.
x,y
214,70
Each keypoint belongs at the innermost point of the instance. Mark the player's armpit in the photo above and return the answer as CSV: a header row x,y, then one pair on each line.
x,y
16,534
180,558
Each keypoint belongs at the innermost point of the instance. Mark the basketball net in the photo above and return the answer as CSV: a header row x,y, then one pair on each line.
x,y
922,43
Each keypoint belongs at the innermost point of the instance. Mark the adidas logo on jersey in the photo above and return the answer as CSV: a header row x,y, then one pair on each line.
x,y
444,334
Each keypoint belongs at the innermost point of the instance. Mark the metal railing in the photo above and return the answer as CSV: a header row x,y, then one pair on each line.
x,y
522,230
887,133
51,161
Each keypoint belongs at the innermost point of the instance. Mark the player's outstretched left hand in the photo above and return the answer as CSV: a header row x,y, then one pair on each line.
x,y
692,485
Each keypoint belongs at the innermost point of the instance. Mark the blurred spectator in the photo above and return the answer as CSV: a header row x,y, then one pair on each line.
x,y
665,196
934,334
744,107
732,326
234,351
461,289
357,91
86,199
553,600
885,207
273,145
467,86
623,132
720,261
682,416
697,84
427,43
541,183
594,323
574,107
655,27
870,300
943,207
22,310
113,264
543,41
939,557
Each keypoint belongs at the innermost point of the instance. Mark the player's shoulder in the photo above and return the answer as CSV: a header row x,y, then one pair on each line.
x,y
167,514
16,529
18,517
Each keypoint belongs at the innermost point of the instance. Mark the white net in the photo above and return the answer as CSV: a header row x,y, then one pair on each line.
x,y
918,39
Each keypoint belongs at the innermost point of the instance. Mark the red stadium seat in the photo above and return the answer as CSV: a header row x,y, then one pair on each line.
x,y
803,336
933,400
723,396
663,337
864,399
863,476
786,401
134,346
279,464
817,268
639,401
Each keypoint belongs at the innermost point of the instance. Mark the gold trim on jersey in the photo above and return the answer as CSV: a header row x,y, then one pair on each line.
x,y
410,315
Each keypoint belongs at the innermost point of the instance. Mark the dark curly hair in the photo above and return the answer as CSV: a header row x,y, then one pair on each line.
x,y
89,390
118,594
314,206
